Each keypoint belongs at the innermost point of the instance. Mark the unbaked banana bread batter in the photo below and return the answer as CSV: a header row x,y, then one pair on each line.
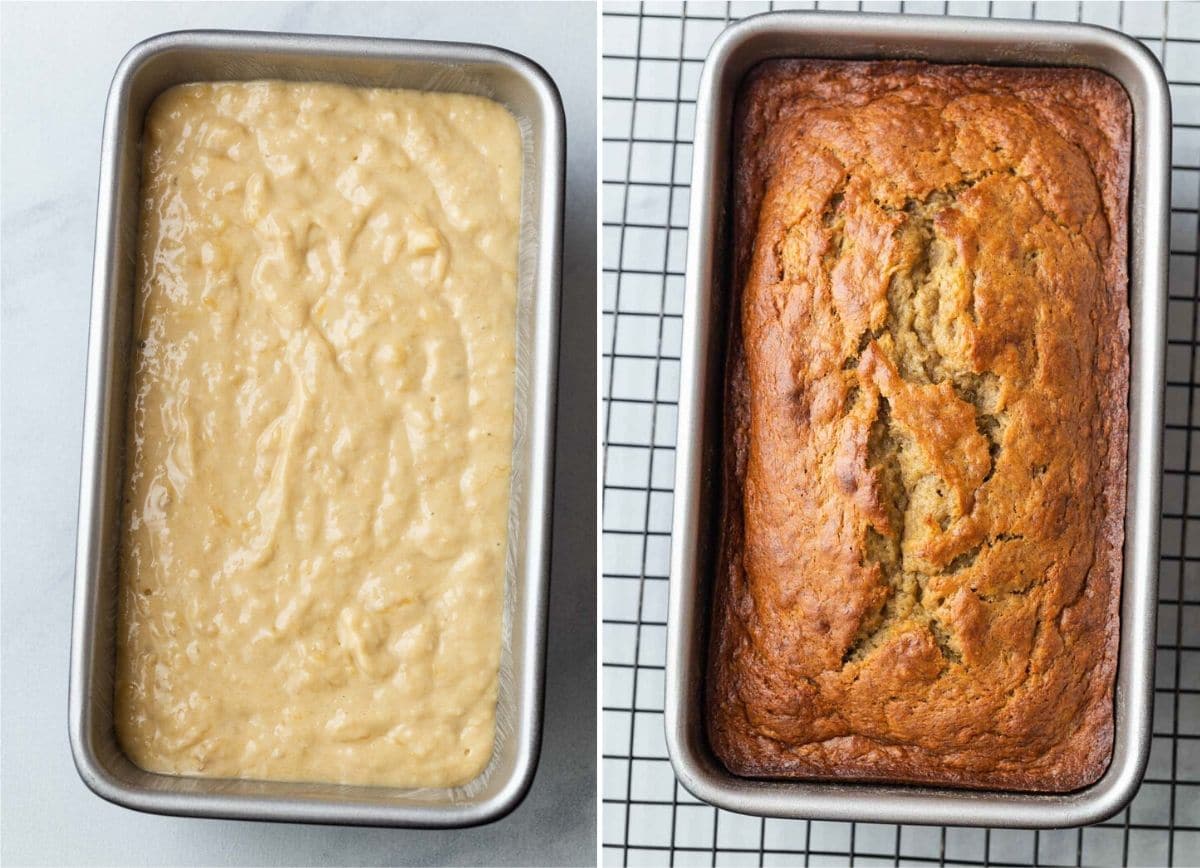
x,y
320,434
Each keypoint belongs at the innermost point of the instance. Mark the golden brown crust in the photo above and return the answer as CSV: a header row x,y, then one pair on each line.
x,y
924,483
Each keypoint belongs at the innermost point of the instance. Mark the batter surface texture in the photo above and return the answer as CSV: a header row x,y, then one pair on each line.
x,y
320,434
926,422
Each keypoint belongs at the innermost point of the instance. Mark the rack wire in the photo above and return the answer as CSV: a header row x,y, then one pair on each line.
x,y
652,55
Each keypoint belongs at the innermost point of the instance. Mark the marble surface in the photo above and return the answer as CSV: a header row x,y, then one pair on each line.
x,y
57,61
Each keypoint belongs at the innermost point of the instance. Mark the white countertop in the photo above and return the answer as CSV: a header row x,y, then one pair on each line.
x,y
57,61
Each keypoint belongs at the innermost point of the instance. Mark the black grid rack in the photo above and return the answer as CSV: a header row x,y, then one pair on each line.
x,y
652,55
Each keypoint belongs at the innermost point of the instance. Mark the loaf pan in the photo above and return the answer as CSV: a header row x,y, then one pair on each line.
x,y
698,457
524,88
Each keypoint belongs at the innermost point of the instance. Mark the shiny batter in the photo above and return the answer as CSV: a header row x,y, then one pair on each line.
x,y
320,434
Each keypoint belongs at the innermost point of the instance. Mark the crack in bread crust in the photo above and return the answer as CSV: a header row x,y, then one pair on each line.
x,y
923,486
913,300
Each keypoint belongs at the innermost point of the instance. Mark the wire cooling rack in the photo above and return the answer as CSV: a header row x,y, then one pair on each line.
x,y
652,55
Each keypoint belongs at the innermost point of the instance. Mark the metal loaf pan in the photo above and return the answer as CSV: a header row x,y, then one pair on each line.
x,y
948,40
526,90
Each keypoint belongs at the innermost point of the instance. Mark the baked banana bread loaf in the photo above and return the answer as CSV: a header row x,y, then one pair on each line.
x,y
926,422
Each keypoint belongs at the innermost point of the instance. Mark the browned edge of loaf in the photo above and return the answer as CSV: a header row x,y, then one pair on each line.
x,y
1080,754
